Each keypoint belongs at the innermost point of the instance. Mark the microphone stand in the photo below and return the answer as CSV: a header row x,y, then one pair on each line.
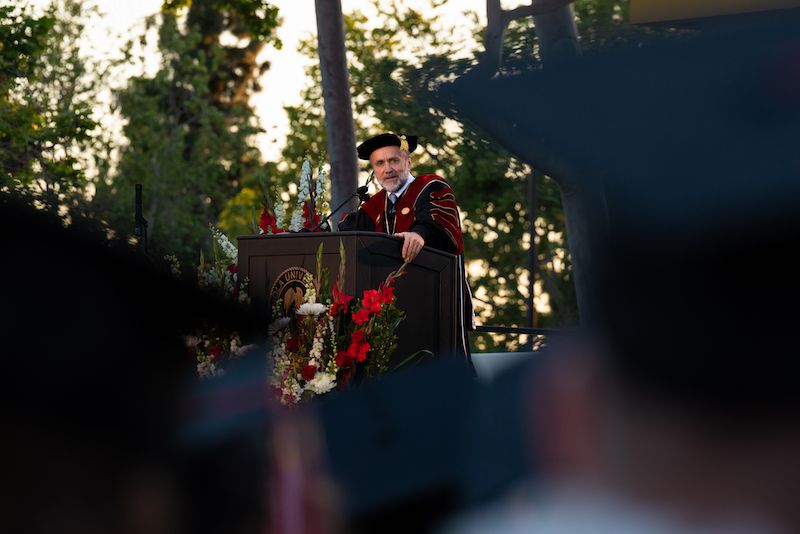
x,y
363,196
140,223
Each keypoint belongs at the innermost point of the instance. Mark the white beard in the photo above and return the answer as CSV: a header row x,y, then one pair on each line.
x,y
400,184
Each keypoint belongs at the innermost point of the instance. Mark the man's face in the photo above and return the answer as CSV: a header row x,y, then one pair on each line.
x,y
392,167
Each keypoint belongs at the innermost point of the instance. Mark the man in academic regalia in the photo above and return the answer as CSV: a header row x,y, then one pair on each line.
x,y
420,209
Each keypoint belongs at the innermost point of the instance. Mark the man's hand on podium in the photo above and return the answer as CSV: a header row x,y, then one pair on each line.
x,y
412,244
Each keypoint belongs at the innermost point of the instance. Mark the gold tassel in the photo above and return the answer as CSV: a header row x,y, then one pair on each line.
x,y
403,143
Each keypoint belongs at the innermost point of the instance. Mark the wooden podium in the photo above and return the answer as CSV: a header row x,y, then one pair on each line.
x,y
275,263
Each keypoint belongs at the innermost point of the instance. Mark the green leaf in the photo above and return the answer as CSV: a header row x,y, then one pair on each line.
x,y
319,267
414,359
396,322
342,266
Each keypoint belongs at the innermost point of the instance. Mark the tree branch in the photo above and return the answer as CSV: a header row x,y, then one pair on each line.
x,y
535,9
497,20
493,38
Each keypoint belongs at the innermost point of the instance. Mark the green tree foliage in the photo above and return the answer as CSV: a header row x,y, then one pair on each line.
x,y
391,57
397,57
48,136
497,228
190,129
22,42
234,72
233,68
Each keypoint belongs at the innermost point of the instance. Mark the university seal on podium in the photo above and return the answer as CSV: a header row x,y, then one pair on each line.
x,y
289,289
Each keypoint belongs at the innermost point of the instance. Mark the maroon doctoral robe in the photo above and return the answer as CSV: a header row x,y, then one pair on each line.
x,y
427,207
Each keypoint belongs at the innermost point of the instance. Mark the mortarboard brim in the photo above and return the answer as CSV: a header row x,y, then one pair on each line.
x,y
706,123
366,148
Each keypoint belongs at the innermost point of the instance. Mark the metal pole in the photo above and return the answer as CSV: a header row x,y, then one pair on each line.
x,y
533,265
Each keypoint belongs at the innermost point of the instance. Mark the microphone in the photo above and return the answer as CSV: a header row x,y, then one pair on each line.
x,y
362,195
138,211
140,223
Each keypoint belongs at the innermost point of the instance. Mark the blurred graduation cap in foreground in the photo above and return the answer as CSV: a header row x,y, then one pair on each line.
x,y
692,127
102,430
415,446
693,142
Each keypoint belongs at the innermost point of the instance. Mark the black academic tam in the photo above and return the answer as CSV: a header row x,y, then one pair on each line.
x,y
372,144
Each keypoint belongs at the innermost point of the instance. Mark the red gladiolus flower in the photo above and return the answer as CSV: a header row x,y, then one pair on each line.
x,y
340,301
308,372
361,353
269,223
214,351
357,336
361,316
371,301
387,294
310,216
343,379
358,347
232,268
343,358
292,345
363,349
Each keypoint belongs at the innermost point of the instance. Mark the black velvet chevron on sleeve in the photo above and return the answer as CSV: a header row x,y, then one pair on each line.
x,y
438,227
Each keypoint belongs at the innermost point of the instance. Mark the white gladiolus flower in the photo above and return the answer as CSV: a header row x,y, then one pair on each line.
x,y
291,391
305,179
312,309
321,383
320,183
316,349
280,213
296,224
207,369
174,264
311,292
228,248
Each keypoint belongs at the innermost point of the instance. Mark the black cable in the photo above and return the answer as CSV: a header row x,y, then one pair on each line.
x,y
362,194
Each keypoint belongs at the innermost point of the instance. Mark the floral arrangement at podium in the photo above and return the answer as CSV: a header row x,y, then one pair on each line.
x,y
310,201
332,338
212,348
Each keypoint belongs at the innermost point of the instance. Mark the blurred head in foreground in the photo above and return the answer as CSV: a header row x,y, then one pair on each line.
x,y
683,402
680,411
684,395
701,399
101,430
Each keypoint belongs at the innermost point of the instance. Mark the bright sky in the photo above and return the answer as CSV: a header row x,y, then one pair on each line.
x,y
285,79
